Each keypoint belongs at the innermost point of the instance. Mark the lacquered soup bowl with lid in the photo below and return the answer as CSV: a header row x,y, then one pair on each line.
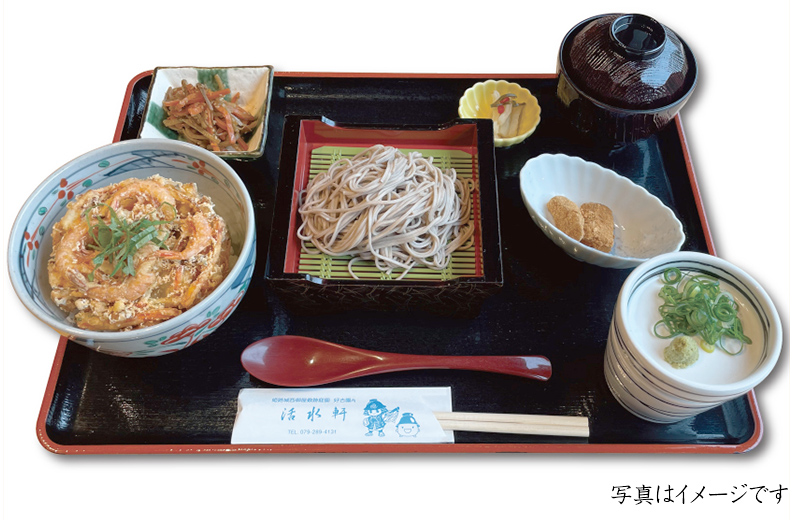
x,y
623,77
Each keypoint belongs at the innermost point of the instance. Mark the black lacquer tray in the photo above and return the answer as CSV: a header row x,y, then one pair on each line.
x,y
550,304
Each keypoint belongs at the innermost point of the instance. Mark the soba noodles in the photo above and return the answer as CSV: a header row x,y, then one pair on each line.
x,y
382,205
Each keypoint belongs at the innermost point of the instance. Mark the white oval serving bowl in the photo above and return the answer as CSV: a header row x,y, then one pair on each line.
x,y
30,241
636,371
643,226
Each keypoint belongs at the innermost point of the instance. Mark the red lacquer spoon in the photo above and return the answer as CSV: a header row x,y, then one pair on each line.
x,y
298,361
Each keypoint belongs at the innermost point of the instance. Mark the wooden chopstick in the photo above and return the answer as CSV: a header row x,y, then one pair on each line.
x,y
564,420
569,426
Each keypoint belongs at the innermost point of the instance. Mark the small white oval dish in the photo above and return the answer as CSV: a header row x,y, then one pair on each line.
x,y
643,226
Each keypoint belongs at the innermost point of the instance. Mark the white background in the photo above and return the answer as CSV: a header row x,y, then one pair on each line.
x,y
65,70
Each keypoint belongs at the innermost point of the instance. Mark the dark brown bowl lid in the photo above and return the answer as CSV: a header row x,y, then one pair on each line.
x,y
628,61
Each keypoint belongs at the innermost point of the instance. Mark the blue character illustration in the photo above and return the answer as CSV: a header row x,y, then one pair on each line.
x,y
377,415
407,426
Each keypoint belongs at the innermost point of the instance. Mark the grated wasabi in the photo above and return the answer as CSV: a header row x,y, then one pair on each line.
x,y
682,352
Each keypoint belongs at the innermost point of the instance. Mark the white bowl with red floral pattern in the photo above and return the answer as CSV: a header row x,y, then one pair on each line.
x,y
30,243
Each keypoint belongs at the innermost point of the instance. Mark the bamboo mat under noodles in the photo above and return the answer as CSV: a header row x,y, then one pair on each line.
x,y
466,263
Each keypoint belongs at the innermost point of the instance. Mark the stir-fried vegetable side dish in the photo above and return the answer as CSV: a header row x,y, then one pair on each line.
x,y
136,253
694,305
206,118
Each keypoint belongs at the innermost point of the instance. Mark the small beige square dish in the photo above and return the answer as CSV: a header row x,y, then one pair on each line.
x,y
252,84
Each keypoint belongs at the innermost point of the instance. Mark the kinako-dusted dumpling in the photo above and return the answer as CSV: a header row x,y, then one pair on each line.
x,y
566,216
598,226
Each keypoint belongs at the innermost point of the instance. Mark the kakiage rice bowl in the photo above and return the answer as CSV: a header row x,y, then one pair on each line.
x,y
30,242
